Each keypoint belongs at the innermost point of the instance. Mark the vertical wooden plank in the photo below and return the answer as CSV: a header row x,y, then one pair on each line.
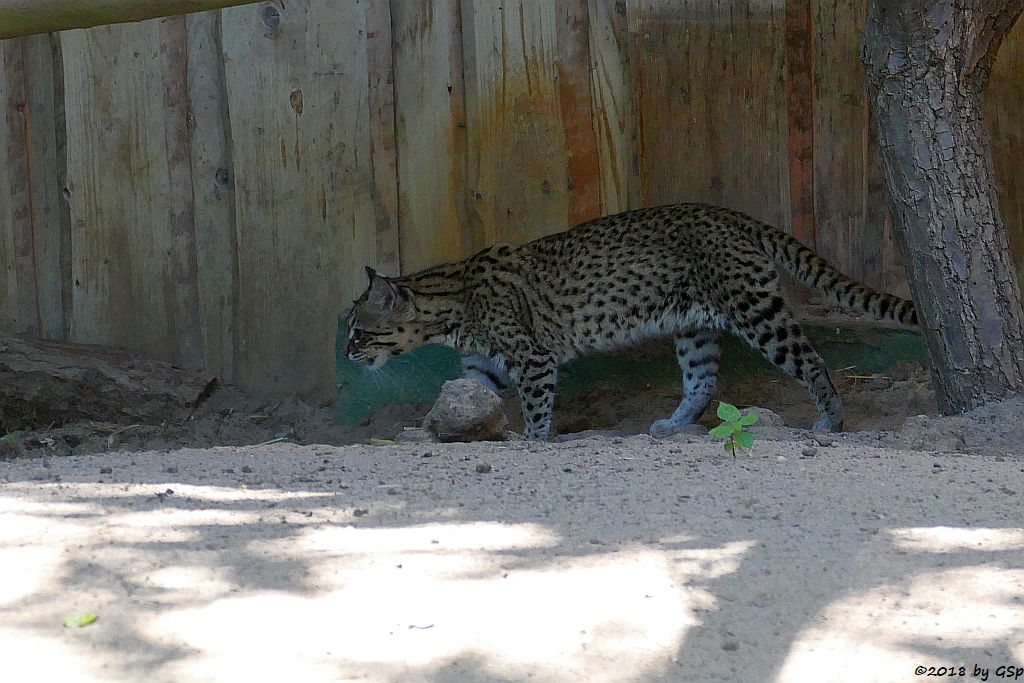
x,y
614,106
213,189
43,94
800,95
381,74
297,84
430,111
1004,117
854,228
20,303
576,101
517,176
129,240
708,81
181,256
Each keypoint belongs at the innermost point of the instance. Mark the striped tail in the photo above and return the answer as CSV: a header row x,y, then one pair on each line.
x,y
814,271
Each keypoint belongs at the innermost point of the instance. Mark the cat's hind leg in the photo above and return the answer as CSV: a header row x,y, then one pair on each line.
x,y
697,352
485,371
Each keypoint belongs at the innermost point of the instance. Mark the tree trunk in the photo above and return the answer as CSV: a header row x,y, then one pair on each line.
x,y
927,63
25,17
43,383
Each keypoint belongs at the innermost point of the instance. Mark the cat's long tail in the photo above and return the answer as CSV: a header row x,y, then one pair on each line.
x,y
814,271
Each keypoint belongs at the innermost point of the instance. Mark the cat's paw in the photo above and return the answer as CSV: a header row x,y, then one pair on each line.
x,y
662,429
826,425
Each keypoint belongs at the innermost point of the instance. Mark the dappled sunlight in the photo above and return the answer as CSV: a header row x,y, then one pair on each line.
x,y
23,570
25,657
274,585
204,493
944,539
884,633
423,596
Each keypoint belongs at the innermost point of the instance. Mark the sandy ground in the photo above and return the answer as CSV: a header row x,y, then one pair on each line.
x,y
604,559
601,559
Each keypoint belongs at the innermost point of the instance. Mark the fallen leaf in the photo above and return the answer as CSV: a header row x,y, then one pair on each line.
x,y
80,621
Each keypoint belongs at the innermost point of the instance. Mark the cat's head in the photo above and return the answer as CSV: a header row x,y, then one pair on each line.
x,y
382,323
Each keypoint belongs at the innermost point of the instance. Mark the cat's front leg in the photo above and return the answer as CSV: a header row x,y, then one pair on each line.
x,y
535,375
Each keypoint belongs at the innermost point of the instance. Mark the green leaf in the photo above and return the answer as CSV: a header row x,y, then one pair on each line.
x,y
749,419
728,448
722,431
745,439
80,621
728,412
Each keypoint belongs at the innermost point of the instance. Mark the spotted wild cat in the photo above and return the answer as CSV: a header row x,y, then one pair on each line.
x,y
687,270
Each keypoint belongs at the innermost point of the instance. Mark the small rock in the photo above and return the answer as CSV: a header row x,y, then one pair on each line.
x,y
414,435
809,452
106,470
483,468
360,512
730,646
466,410
765,417
825,439
246,469
171,469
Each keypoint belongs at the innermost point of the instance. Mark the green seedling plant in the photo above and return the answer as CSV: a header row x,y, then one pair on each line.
x,y
733,429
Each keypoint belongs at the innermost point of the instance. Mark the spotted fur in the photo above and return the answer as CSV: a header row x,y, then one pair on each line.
x,y
687,270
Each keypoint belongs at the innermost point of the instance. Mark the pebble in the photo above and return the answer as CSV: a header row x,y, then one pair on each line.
x,y
106,470
483,468
825,439
809,452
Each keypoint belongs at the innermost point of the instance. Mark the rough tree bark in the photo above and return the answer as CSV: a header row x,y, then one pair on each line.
x,y
926,64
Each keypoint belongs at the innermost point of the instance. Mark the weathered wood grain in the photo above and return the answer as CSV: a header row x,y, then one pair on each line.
x,y
297,86
1004,117
27,17
430,130
19,304
126,257
854,227
711,103
614,108
44,98
800,106
213,193
381,97
517,172
583,174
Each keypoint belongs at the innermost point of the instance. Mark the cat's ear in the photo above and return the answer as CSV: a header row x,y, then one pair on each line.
x,y
393,301
383,294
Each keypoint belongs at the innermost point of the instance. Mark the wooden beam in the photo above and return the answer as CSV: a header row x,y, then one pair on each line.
x,y
800,105
27,17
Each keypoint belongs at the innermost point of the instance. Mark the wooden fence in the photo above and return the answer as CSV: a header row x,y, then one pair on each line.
x,y
206,189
